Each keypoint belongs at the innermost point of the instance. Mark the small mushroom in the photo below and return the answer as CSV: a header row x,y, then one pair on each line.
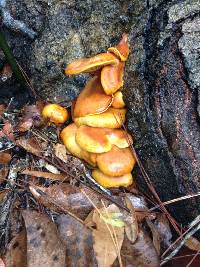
x,y
116,162
100,140
118,101
92,100
111,118
68,137
90,64
55,113
112,78
121,50
112,181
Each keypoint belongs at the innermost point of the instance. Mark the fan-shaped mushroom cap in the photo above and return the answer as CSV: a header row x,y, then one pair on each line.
x,y
93,139
68,137
100,140
111,181
112,78
92,99
111,118
55,113
121,50
116,162
90,64
118,101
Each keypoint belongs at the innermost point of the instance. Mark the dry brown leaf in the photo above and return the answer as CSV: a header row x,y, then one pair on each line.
x,y
47,175
44,246
131,227
61,152
105,248
25,125
66,197
142,253
5,158
3,174
2,109
2,263
31,145
156,236
193,244
78,242
16,251
31,116
7,131
162,225
3,194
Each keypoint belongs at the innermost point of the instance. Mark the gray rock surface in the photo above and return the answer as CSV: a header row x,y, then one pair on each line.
x,y
161,98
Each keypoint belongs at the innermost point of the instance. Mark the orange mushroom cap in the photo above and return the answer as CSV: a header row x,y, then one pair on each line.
x,y
118,101
100,140
111,181
92,100
121,50
112,78
90,64
111,118
55,113
116,162
68,137
93,139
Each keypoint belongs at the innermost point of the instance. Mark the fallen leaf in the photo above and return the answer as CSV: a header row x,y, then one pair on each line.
x,y
2,109
162,225
3,194
25,125
155,234
5,158
107,243
61,152
47,175
31,116
51,168
31,145
78,242
131,227
66,197
2,263
44,245
3,174
193,244
141,253
7,131
16,251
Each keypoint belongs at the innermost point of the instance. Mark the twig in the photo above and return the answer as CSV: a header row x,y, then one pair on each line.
x,y
187,234
175,200
151,187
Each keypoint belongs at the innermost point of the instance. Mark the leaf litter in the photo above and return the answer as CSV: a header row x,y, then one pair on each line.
x,y
67,220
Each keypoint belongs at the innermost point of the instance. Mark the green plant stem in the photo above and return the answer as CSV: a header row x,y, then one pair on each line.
x,y
11,59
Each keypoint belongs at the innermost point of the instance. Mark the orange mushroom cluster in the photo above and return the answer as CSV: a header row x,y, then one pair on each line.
x,y
96,135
